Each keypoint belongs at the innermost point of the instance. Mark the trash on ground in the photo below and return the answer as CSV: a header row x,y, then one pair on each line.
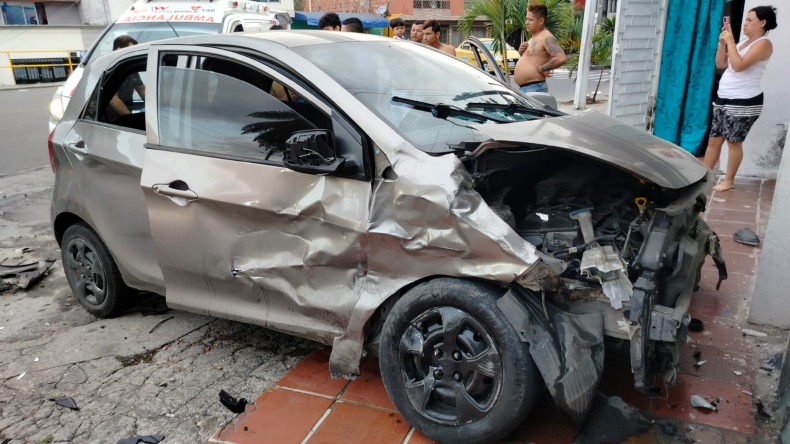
x,y
147,439
233,404
737,373
746,236
699,402
21,375
611,419
160,323
767,368
67,402
755,333
775,360
699,364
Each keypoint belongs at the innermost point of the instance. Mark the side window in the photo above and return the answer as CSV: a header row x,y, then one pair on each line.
x,y
119,99
225,108
465,46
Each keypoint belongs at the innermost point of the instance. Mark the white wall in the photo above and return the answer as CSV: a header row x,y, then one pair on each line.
x,y
118,7
762,150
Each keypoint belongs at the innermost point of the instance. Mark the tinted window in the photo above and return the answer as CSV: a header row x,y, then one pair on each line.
x,y
226,108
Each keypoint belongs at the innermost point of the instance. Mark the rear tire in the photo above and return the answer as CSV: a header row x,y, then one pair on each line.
x,y
454,366
91,272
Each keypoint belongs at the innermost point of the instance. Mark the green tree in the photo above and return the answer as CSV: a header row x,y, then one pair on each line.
x,y
508,16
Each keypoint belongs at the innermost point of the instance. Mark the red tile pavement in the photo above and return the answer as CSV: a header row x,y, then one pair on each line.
x,y
307,406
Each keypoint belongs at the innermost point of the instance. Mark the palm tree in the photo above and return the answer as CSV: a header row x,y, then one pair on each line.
x,y
508,16
603,44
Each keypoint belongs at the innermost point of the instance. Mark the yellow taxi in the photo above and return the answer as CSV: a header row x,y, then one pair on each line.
x,y
464,52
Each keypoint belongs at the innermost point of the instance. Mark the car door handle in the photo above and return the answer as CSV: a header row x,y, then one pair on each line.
x,y
169,190
77,148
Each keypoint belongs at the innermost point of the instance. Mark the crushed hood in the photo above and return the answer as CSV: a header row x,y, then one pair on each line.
x,y
601,137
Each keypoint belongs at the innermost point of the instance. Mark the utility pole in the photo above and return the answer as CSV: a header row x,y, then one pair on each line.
x,y
588,26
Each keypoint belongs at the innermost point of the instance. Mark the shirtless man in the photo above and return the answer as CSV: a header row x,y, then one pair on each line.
x,y
541,54
431,30
416,32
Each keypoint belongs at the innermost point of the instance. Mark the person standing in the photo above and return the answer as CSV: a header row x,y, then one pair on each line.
x,y
431,32
739,100
416,32
539,55
329,22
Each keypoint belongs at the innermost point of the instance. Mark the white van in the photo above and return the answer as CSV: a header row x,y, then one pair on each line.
x,y
149,20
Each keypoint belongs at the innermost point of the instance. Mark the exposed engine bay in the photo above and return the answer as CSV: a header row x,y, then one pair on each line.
x,y
631,249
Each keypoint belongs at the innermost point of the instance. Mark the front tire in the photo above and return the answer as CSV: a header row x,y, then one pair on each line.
x,y
454,366
91,272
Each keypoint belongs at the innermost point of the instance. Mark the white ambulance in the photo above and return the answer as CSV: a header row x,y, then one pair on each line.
x,y
150,20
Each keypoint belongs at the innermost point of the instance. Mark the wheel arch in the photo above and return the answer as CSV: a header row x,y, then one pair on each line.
x,y
63,221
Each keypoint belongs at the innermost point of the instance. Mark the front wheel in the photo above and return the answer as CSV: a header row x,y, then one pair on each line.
x,y
453,365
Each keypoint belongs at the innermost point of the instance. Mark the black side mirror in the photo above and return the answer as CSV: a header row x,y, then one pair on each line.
x,y
312,152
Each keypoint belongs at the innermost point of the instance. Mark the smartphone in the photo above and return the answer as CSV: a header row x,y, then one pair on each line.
x,y
725,21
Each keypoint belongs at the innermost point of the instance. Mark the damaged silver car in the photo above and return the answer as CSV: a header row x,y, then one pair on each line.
x,y
381,197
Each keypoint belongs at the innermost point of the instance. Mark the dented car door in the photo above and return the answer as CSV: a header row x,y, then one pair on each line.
x,y
238,234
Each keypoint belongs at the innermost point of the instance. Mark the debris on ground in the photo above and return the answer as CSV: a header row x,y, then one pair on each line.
x,y
699,402
755,333
775,360
737,373
21,375
611,419
18,270
668,428
761,410
746,236
233,404
160,323
66,401
146,439
767,368
699,364
697,354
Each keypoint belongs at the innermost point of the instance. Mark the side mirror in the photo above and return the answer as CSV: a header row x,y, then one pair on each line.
x,y
544,98
312,152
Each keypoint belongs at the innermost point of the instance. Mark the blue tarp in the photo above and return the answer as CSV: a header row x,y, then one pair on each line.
x,y
368,20
685,83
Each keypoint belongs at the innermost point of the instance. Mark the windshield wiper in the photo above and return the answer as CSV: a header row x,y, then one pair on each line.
x,y
443,111
513,108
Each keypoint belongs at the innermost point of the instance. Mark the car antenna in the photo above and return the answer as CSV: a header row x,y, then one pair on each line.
x,y
174,29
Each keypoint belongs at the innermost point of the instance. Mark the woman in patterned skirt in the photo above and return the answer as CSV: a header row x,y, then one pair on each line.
x,y
739,100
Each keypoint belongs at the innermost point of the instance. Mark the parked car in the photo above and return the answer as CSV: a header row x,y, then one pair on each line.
x,y
464,52
479,243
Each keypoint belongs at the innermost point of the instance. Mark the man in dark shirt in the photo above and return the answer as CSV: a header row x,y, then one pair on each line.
x,y
124,97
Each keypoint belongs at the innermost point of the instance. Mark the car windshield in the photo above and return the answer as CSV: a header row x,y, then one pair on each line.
x,y
390,78
149,31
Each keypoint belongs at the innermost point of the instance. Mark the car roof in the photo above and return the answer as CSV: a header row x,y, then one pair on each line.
x,y
287,38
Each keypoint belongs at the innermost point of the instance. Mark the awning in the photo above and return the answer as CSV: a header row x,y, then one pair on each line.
x,y
368,20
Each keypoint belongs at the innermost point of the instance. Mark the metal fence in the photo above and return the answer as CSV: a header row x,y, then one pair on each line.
x,y
27,68
431,4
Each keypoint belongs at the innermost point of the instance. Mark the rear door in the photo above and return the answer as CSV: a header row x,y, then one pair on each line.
x,y
237,234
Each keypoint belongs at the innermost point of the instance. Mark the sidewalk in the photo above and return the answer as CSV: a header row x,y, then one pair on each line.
x,y
307,406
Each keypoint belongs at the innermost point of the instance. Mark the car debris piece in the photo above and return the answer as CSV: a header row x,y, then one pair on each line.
x,y
611,420
67,402
746,236
755,333
233,404
160,323
21,276
147,439
699,402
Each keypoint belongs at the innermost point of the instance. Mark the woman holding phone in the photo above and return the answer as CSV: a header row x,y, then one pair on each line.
x,y
739,100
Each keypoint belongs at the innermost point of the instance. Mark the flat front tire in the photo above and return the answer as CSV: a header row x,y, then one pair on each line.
x,y
453,365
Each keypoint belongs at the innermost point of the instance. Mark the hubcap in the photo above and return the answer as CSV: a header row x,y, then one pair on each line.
x,y
85,272
451,367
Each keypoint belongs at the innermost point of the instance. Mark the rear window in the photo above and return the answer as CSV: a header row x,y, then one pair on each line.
x,y
149,31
